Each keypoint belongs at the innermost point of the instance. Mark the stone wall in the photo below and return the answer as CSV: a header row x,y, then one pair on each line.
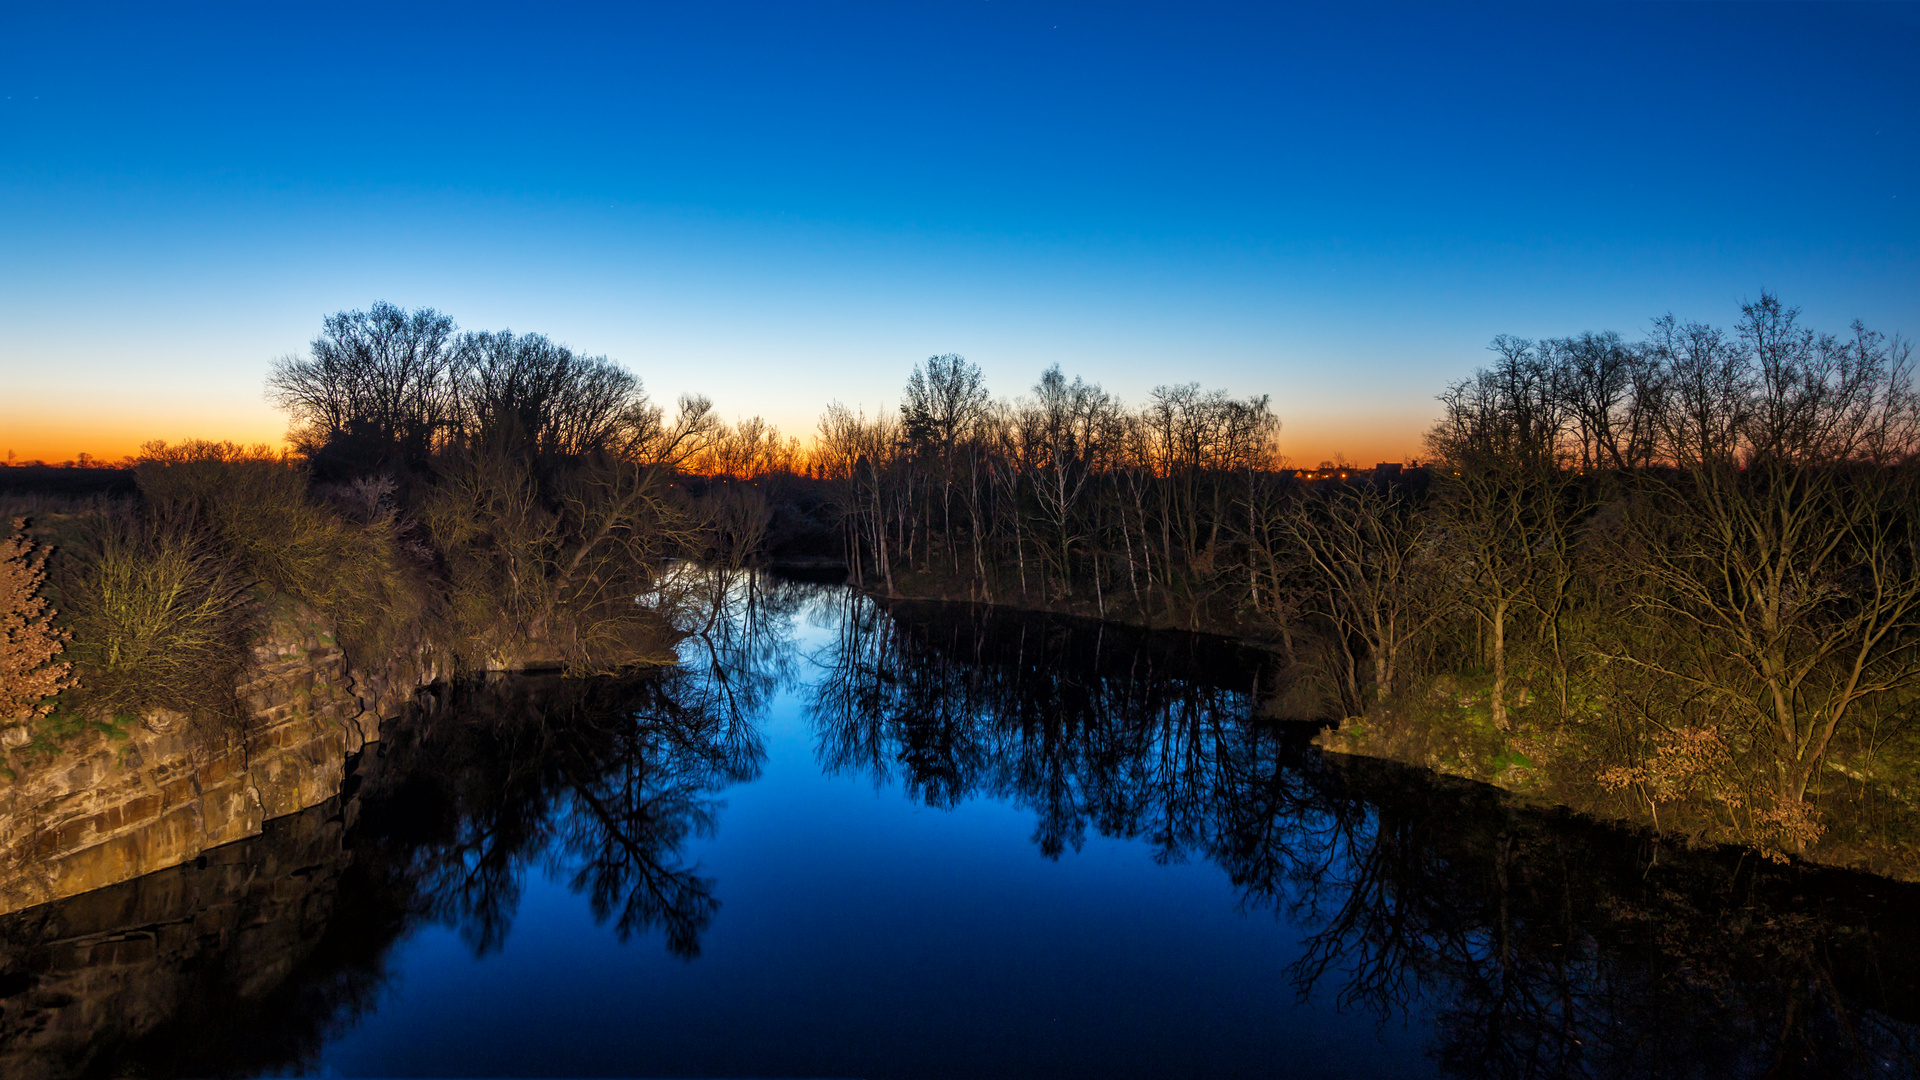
x,y
105,810
181,972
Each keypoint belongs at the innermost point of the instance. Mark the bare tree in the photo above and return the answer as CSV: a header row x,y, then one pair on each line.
x,y
860,453
1372,560
945,399
541,400
1778,558
375,390
1611,389
653,439
1502,488
1068,428
745,450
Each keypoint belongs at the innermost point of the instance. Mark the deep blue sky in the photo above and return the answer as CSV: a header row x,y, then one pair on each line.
x,y
783,204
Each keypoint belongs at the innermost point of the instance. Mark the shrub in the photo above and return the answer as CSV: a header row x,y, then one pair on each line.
x,y
254,507
28,639
158,620
555,575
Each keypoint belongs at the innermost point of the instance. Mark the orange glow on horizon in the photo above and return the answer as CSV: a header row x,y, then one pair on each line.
x,y
1353,440
56,443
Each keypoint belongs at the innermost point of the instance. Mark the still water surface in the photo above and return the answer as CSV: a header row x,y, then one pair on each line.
x,y
942,841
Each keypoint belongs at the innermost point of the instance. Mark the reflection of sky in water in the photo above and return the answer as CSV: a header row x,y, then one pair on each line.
x,y
861,934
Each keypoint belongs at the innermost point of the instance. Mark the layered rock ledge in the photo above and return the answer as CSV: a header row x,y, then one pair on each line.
x,y
104,810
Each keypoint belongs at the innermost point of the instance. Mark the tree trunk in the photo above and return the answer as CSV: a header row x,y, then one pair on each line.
x,y
1498,705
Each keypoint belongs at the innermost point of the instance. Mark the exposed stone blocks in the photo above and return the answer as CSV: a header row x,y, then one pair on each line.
x,y
106,811
129,957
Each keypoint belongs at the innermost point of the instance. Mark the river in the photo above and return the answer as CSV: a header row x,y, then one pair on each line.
x,y
842,840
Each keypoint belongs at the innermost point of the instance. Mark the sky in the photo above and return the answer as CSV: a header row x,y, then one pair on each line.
x,y
781,205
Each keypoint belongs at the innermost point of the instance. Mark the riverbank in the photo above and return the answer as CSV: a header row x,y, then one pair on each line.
x,y
1121,608
1869,822
1865,818
115,802
201,655
538,861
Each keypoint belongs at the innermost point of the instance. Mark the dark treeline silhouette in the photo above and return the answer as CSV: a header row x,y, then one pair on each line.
x,y
384,391
1066,495
1672,579
392,393
23,485
458,503
1541,944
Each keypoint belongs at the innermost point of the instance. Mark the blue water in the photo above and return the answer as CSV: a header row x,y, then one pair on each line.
x,y
841,840
863,934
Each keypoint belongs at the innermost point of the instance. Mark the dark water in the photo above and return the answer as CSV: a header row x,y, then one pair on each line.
x,y
935,842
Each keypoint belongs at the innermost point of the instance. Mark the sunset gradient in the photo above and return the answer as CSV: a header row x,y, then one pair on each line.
x,y
781,206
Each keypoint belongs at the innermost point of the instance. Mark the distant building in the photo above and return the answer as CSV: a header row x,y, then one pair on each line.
x,y
1387,470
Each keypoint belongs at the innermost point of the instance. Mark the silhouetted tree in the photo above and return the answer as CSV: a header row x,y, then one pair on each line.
x,y
539,400
376,392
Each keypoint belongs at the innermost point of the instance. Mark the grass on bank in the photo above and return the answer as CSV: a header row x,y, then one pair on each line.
x,y
163,596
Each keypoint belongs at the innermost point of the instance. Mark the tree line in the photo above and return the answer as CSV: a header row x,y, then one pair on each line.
x,y
455,502
1672,578
1062,494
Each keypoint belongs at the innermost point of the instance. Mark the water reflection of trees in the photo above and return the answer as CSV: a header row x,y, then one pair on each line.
x,y
555,777
1550,947
600,783
1538,945
1131,734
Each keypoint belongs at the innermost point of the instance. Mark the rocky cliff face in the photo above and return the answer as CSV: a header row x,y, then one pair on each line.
x,y
106,810
182,972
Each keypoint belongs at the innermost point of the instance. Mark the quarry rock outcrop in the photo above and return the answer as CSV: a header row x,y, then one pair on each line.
x,y
160,790
207,945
